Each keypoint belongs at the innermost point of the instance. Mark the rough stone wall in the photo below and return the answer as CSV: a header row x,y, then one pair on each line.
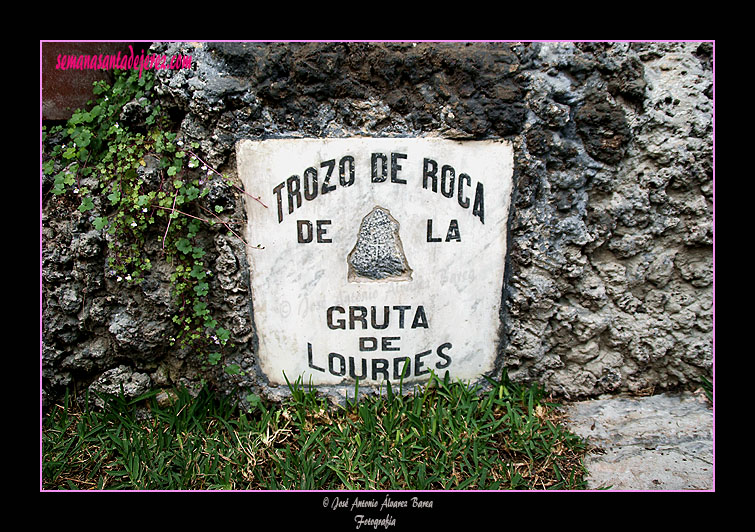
x,y
610,270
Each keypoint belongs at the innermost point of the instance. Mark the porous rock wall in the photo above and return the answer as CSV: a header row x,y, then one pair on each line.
x,y
609,278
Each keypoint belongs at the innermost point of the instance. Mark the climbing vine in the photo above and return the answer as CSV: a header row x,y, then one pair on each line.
x,y
136,182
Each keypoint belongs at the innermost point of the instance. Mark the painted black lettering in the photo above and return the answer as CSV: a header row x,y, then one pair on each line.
x,y
430,237
322,230
339,324
345,181
420,319
479,203
444,356
395,167
430,170
352,369
462,199
447,180
401,309
453,232
304,231
418,364
309,358
379,159
293,186
380,367
277,192
368,343
386,314
310,184
386,341
400,371
326,186
341,371
360,317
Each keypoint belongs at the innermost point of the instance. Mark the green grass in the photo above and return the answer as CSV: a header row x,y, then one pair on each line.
x,y
444,436
707,387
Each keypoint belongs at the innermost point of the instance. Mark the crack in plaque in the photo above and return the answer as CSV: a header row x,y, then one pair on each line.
x,y
378,254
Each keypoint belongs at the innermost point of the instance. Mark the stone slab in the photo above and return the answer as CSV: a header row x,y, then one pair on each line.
x,y
376,258
661,442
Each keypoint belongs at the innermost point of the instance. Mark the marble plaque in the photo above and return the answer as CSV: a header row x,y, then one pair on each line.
x,y
376,258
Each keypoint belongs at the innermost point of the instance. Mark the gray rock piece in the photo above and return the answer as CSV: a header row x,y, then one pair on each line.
x,y
120,379
378,253
661,442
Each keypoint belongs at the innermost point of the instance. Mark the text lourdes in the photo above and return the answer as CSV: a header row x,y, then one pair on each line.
x,y
392,364
294,191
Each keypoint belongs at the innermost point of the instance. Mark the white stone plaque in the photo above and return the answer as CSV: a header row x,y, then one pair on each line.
x,y
378,258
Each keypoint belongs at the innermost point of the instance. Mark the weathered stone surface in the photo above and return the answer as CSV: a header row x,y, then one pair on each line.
x,y
663,442
609,280
603,128
117,381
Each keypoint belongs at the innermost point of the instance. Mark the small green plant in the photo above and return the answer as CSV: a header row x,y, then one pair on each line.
x,y
108,171
707,386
